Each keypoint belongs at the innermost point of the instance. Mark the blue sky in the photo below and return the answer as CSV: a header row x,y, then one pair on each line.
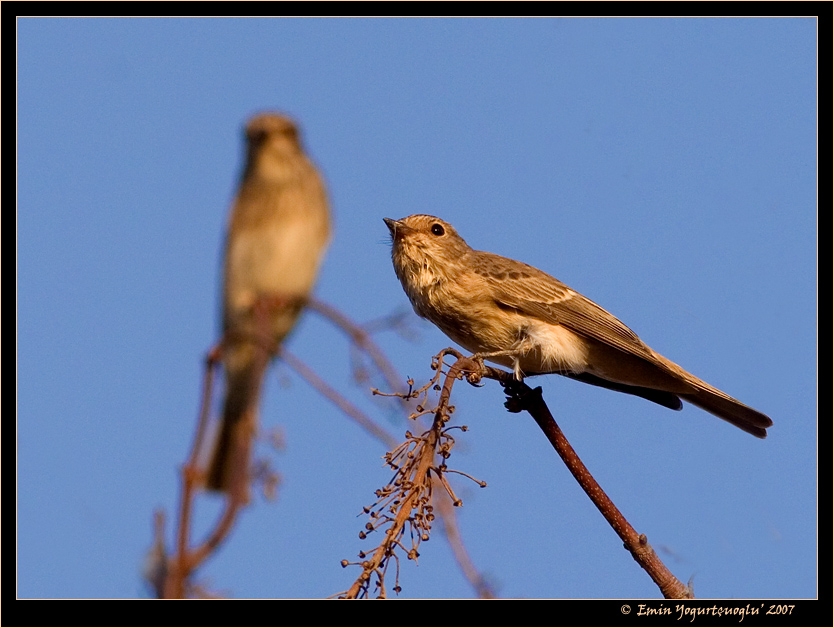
x,y
665,168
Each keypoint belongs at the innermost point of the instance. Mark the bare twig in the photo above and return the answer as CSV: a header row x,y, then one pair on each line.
x,y
330,393
522,397
361,338
184,562
360,335
155,569
407,499
172,578
398,322
449,519
219,533
179,567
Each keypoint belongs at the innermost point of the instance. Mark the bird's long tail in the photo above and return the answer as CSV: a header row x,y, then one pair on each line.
x,y
731,410
697,392
228,471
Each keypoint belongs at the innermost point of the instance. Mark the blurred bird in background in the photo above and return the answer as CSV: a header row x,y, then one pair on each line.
x,y
278,232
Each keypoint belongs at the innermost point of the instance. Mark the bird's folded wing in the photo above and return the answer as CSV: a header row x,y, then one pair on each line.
x,y
546,298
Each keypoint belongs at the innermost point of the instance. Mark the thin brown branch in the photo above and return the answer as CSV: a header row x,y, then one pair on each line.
x,y
218,534
445,509
184,562
178,570
408,495
411,500
175,574
361,338
354,331
330,393
156,562
522,397
399,322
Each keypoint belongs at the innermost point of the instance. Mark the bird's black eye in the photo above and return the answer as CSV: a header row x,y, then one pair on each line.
x,y
437,229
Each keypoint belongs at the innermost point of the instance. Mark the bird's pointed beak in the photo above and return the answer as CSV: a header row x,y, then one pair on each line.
x,y
394,226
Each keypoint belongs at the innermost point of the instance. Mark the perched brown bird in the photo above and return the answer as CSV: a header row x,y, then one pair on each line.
x,y
520,317
278,232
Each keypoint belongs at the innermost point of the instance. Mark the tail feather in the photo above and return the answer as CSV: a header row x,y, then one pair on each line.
x,y
231,459
716,401
731,410
231,456
693,390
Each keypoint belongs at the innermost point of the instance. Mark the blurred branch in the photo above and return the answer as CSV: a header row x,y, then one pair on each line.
x,y
170,576
360,338
398,322
155,570
449,520
341,402
184,562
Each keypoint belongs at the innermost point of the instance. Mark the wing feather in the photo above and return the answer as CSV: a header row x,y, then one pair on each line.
x,y
534,293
